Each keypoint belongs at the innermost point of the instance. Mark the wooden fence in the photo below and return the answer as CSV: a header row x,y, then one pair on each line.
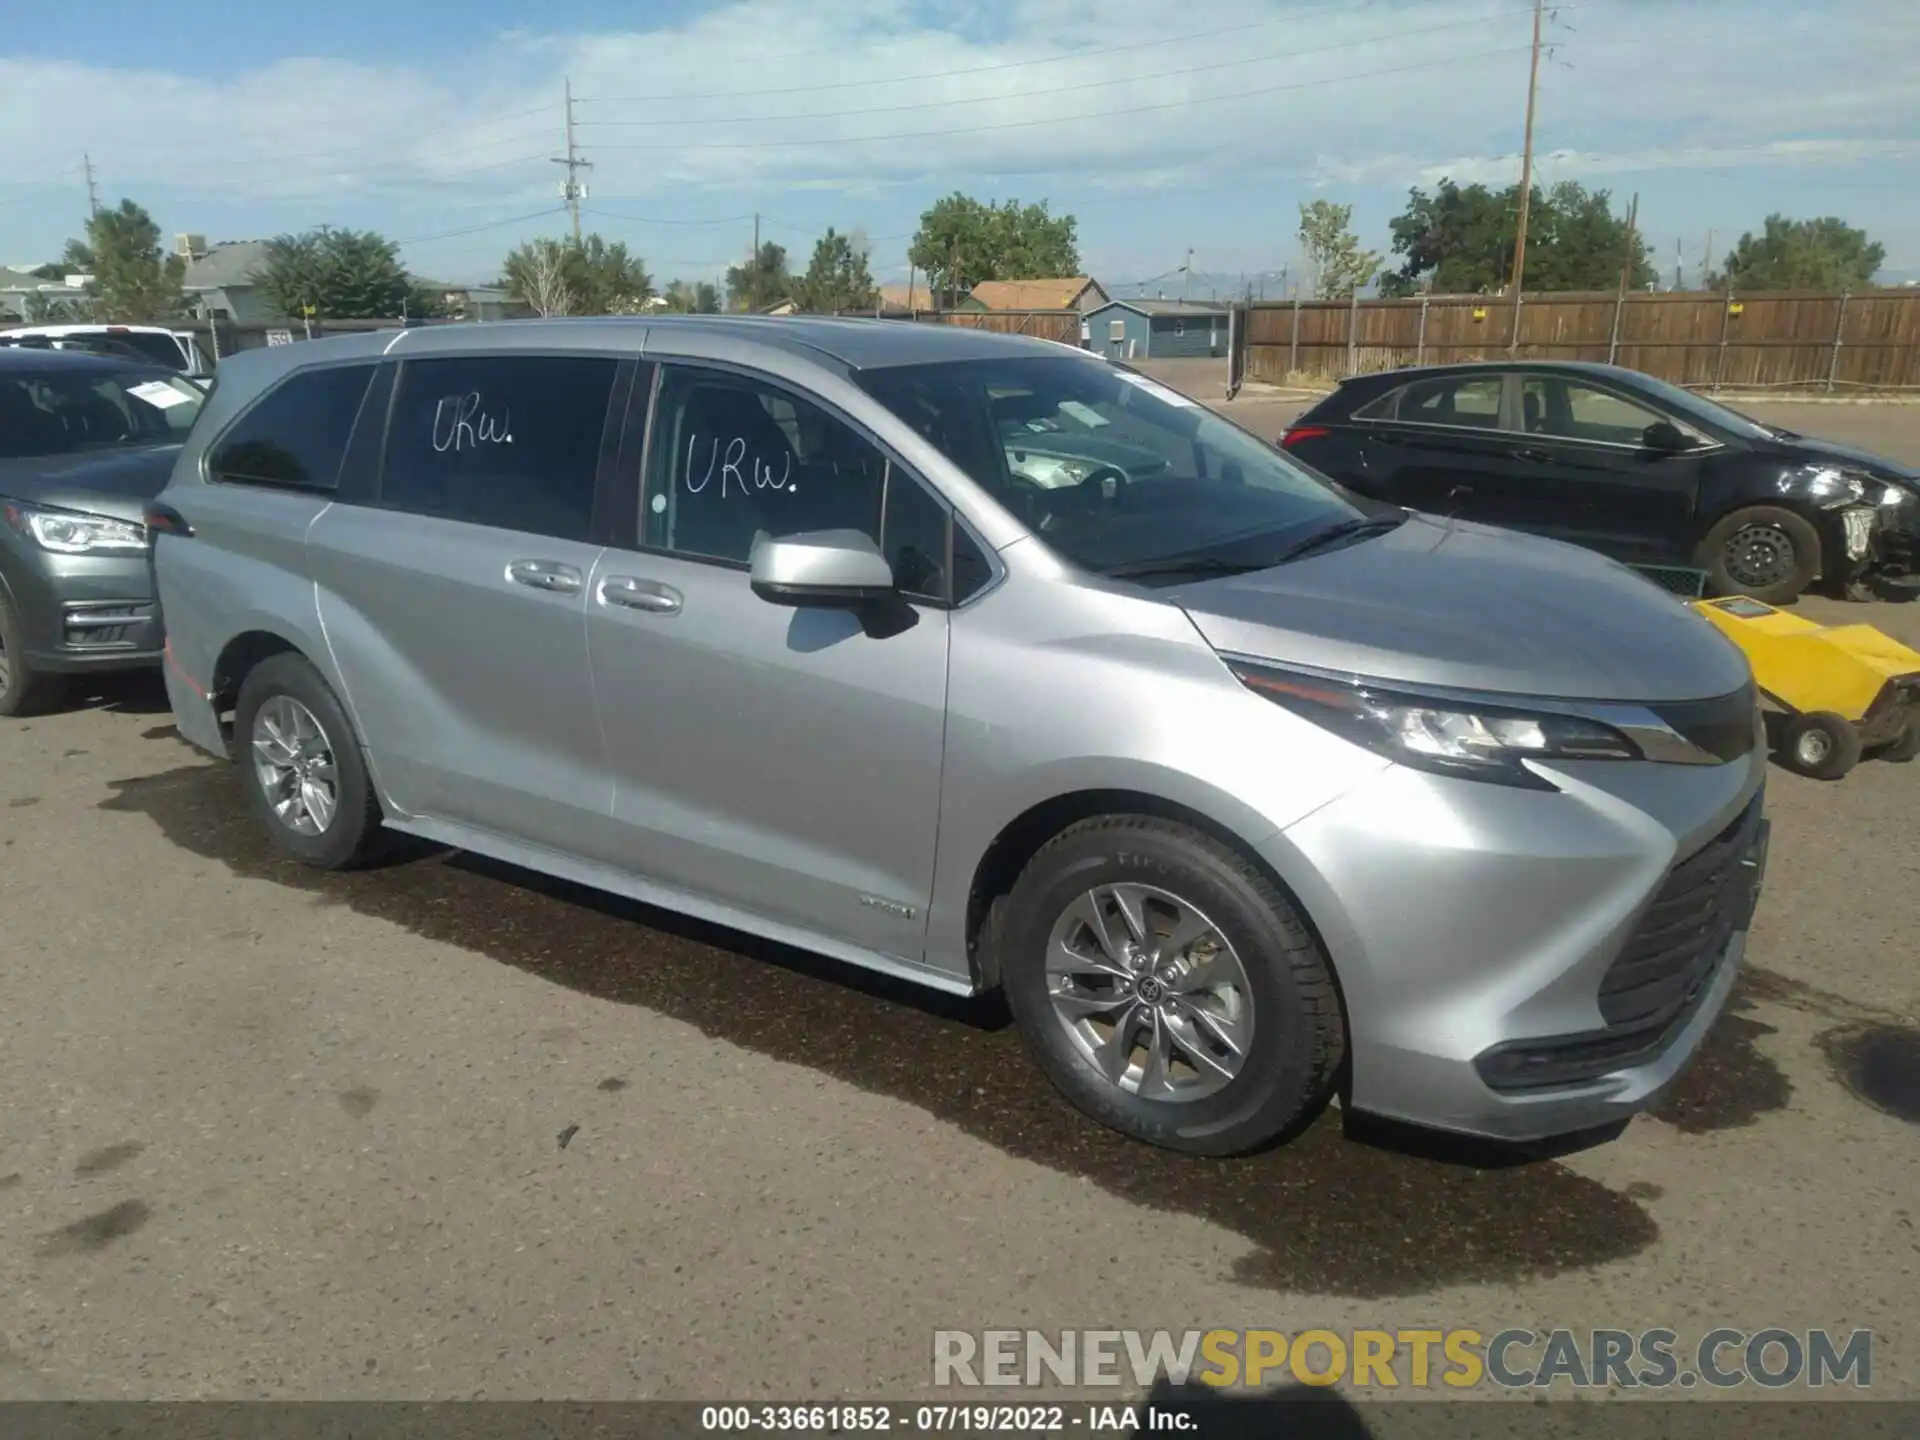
x,y
1868,340
1062,326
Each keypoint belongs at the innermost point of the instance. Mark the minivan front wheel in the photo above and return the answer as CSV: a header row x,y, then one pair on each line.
x,y
301,765
1169,988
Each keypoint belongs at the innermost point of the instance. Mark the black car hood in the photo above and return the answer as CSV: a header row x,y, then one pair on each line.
x,y
1814,452
101,482
1465,606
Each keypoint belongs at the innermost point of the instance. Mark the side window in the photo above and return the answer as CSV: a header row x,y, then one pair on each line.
x,y
971,568
510,441
914,528
1466,401
296,434
1569,410
732,458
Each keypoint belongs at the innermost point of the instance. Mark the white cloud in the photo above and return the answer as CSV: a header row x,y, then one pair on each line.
x,y
881,100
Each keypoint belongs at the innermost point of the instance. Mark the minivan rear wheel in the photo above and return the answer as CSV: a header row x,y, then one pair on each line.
x,y
301,766
1169,988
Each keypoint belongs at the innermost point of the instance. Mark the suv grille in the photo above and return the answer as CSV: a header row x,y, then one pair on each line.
x,y
1656,981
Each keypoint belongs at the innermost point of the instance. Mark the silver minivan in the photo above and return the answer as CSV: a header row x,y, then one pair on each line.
x,y
980,661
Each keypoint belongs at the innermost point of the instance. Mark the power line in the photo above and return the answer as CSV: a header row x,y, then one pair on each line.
x,y
969,70
1071,119
1265,59
489,225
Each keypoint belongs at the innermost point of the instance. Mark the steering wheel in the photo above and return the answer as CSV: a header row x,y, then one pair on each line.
x,y
1109,482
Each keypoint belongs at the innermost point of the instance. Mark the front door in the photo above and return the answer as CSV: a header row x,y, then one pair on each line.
x,y
456,604
1604,488
785,761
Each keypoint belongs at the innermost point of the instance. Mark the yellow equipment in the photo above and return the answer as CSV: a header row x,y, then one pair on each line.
x,y
1844,689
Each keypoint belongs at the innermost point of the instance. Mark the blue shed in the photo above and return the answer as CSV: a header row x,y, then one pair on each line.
x,y
1157,329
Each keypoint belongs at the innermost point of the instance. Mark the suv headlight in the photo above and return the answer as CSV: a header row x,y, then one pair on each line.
x,y
1446,736
69,532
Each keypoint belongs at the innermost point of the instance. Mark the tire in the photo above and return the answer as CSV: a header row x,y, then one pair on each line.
x,y
275,695
23,690
1735,549
1820,745
1904,750
1272,989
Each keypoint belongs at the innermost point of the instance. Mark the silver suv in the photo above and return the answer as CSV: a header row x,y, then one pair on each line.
x,y
979,661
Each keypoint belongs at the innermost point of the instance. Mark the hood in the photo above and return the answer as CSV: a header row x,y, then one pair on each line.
x,y
1441,603
101,482
1814,452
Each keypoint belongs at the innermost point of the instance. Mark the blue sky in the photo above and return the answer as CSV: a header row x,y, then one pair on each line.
x,y
1161,125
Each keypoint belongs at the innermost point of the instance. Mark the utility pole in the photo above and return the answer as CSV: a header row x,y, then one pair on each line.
x,y
1526,176
1186,275
93,190
1706,263
573,190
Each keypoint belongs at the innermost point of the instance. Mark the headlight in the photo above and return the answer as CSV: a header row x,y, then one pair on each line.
x,y
1831,488
1891,497
68,532
1449,737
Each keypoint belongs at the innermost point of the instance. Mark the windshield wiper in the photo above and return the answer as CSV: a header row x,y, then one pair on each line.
x,y
1345,530
1189,567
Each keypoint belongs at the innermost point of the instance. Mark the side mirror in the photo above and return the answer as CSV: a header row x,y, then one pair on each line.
x,y
841,569
1666,437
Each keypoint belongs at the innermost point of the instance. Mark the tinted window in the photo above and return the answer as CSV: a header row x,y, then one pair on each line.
x,y
732,458
1569,410
1470,401
507,441
971,568
1108,468
161,349
296,435
915,528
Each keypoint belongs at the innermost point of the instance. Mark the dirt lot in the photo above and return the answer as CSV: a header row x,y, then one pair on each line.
x,y
273,1134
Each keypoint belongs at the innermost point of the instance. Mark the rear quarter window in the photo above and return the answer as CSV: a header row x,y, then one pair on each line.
x,y
295,435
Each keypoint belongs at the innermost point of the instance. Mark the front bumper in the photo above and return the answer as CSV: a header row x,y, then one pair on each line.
x,y
1523,965
85,612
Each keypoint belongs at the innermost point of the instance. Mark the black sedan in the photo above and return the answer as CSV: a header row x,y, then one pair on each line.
x,y
1625,464
84,441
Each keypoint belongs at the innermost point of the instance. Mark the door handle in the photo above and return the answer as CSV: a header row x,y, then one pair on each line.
x,y
633,594
545,575
1532,456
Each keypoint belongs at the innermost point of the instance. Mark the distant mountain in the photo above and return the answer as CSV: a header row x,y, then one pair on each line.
x,y
1202,285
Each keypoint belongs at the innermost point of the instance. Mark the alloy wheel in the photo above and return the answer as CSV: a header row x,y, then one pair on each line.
x,y
293,760
1759,556
1151,992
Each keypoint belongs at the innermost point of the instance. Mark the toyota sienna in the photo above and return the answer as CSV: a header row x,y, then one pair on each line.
x,y
982,662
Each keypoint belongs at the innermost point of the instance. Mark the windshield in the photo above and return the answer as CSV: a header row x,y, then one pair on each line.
x,y
1111,469
1698,408
63,412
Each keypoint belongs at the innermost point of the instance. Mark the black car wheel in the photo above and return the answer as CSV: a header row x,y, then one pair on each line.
x,y
1764,552
23,690
1168,988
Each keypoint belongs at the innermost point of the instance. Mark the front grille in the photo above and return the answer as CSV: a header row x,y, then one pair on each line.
x,y
1726,727
1654,985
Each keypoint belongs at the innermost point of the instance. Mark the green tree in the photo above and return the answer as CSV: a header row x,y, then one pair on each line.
x,y
585,277
837,277
135,281
1823,254
763,281
605,279
963,241
1334,257
1459,240
688,298
41,309
329,274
